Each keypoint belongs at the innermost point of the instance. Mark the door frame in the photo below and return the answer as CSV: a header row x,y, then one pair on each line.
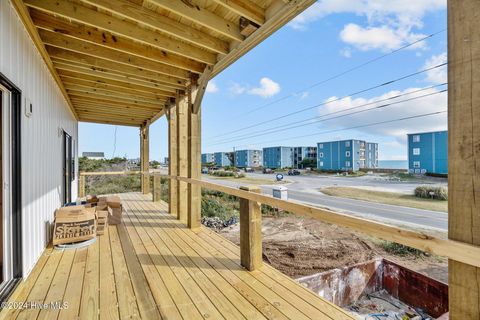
x,y
16,185
68,173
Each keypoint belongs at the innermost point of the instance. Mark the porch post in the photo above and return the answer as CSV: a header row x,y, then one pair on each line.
x,y
194,160
145,157
464,152
172,157
182,155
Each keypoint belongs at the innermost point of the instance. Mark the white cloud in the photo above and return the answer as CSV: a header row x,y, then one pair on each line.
x,y
437,75
394,19
397,130
268,88
383,38
211,87
237,88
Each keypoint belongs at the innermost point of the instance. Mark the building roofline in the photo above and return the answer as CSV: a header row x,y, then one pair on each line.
x,y
425,132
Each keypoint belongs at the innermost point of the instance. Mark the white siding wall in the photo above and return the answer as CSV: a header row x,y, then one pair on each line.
x,y
22,64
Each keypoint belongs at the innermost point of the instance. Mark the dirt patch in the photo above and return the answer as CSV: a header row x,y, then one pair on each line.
x,y
300,246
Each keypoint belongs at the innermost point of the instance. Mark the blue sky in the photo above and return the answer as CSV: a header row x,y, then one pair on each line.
x,y
328,38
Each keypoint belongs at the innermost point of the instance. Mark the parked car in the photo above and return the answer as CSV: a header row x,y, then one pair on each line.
x,y
249,170
267,170
293,172
205,170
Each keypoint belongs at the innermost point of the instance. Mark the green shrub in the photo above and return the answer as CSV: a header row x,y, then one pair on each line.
x,y
220,173
431,192
400,249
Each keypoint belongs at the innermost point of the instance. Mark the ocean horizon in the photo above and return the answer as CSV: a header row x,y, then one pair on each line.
x,y
393,164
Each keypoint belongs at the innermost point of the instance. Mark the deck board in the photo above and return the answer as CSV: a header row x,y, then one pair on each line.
x,y
153,267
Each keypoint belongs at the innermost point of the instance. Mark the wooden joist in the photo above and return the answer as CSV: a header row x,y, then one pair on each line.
x,y
79,59
122,28
161,23
61,41
74,90
110,121
245,8
203,17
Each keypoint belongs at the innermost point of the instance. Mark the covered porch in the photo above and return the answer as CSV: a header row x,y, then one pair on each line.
x,y
151,267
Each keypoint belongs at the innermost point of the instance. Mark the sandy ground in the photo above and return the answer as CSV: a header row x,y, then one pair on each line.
x,y
300,246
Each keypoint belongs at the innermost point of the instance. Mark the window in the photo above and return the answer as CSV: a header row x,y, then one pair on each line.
x,y
369,147
416,138
416,164
347,144
416,151
347,164
321,155
347,153
320,146
321,163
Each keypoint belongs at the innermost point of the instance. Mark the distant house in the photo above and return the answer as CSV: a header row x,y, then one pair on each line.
x,y
303,153
222,159
428,152
278,157
208,158
165,160
94,155
347,155
248,158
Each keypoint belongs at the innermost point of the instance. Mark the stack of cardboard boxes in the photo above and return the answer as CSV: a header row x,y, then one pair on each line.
x,y
84,222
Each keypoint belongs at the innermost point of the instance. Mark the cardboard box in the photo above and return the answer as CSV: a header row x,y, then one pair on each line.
x,y
74,224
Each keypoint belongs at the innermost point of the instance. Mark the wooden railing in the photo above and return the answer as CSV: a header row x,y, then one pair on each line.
x,y
250,224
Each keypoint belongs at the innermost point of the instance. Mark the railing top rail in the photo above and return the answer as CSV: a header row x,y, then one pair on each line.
x,y
455,250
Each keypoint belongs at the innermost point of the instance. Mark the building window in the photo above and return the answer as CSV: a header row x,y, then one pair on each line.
x,y
416,151
416,138
347,164
416,164
321,155
320,146
347,153
321,163
369,147
347,144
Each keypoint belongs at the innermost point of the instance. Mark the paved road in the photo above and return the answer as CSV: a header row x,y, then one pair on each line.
x,y
305,189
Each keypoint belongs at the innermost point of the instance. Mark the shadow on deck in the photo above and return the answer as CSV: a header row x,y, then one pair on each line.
x,y
153,267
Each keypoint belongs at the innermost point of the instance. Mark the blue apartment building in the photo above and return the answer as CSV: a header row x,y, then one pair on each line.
x,y
303,153
222,159
208,158
248,158
428,152
347,155
278,157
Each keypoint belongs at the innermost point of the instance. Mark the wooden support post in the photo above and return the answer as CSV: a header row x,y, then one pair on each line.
x,y
145,158
182,155
81,186
464,152
194,160
157,188
250,231
172,158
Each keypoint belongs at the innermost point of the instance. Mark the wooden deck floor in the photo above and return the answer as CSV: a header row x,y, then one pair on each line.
x,y
153,267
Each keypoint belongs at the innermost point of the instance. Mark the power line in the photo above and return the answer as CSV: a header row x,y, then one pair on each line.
x,y
308,120
338,99
288,127
350,128
338,75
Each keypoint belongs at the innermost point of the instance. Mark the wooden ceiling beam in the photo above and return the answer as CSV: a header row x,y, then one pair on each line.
x,y
107,121
113,111
71,89
106,39
161,23
61,41
202,17
103,77
75,58
77,100
122,28
103,86
245,8
73,93
110,115
24,15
